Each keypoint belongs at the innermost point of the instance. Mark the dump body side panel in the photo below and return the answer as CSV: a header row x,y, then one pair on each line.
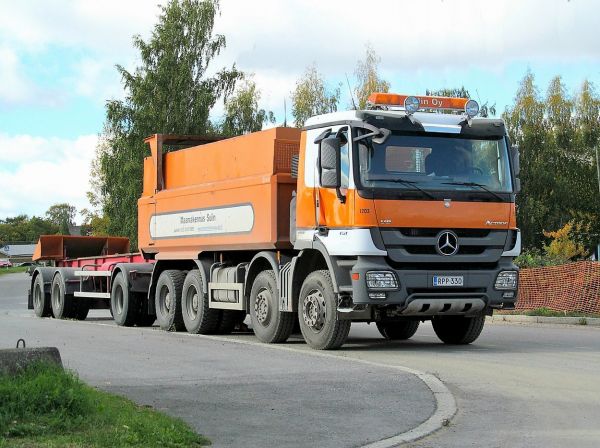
x,y
227,195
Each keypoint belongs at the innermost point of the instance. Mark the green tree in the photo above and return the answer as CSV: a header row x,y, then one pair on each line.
x,y
311,97
21,228
367,77
62,215
242,113
557,135
169,92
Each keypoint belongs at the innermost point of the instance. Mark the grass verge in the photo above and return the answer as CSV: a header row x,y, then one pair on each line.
x,y
12,270
45,406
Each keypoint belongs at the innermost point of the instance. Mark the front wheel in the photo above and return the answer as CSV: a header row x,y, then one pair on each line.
x,y
317,313
458,330
398,331
269,324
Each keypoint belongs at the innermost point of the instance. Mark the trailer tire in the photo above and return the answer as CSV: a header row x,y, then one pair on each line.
x,y
81,310
62,304
123,303
42,305
168,300
317,313
458,330
269,324
398,331
198,318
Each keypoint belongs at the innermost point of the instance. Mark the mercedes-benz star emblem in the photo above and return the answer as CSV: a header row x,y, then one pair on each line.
x,y
447,243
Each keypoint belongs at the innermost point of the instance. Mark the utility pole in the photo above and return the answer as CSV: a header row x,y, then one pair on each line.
x,y
598,167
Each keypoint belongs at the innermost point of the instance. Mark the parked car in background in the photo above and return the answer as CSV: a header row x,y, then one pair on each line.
x,y
5,263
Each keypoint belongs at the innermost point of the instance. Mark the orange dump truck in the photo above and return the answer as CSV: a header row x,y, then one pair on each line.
x,y
395,214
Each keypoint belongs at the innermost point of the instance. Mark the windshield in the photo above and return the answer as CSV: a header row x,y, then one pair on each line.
x,y
435,163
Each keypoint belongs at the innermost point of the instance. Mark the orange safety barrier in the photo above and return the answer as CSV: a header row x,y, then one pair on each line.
x,y
571,287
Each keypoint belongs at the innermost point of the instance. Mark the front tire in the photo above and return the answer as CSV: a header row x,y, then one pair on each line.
x,y
317,313
398,331
198,318
168,300
269,324
41,300
458,330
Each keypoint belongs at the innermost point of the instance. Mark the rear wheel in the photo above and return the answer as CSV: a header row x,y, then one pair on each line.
x,y
123,303
168,300
62,303
458,330
41,300
398,331
197,316
317,313
269,324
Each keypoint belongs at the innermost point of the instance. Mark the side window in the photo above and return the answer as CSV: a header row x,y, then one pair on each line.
x,y
345,158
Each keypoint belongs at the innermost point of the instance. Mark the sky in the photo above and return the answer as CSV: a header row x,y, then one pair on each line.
x,y
58,57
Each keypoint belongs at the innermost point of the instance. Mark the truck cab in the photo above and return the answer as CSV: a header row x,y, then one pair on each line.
x,y
415,210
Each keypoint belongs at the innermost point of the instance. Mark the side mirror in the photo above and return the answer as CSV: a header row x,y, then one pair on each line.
x,y
514,152
516,164
329,162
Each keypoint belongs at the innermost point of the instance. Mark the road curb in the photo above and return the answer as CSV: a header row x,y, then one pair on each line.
x,y
520,318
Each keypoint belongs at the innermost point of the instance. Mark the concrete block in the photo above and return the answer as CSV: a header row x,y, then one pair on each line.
x,y
15,359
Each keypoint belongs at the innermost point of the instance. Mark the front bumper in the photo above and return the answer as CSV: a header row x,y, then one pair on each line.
x,y
416,287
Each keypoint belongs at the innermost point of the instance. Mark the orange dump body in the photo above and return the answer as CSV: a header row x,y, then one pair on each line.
x,y
231,194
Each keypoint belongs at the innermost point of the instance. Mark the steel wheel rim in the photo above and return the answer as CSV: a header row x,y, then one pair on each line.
x,y
192,302
262,310
56,296
314,310
37,297
165,300
119,301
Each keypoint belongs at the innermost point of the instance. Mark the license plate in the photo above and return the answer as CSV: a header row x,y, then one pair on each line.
x,y
448,280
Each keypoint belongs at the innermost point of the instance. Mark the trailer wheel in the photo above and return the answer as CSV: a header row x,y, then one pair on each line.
x,y
317,313
81,310
123,303
269,324
197,316
168,300
458,330
398,331
41,300
62,303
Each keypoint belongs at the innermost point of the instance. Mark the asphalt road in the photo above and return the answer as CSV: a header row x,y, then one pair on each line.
x,y
516,386
238,395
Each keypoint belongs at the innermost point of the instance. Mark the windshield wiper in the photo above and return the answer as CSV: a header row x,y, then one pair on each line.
x,y
399,180
475,184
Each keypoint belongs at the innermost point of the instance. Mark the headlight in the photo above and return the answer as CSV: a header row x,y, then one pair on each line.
x,y
381,280
507,280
